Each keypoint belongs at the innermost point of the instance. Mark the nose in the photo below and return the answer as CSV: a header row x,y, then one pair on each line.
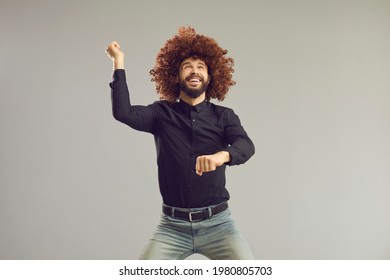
x,y
195,71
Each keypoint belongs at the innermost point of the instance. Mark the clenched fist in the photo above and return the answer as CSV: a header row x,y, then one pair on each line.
x,y
114,52
209,163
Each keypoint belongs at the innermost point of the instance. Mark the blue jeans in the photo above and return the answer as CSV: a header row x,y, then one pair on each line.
x,y
216,238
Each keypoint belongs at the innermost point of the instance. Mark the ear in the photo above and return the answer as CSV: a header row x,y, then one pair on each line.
x,y
177,80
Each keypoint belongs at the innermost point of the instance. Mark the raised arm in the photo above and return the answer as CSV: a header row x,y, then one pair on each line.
x,y
139,117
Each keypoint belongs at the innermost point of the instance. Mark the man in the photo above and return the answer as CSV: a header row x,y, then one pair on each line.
x,y
195,141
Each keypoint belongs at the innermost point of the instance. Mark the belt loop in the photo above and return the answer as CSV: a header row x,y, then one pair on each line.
x,y
210,212
173,212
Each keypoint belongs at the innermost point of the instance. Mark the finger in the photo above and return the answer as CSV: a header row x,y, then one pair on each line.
x,y
116,45
199,167
205,165
113,45
198,164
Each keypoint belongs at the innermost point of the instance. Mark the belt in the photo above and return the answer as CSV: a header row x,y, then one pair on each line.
x,y
194,216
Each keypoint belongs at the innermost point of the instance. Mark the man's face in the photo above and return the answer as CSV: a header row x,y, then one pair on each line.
x,y
193,77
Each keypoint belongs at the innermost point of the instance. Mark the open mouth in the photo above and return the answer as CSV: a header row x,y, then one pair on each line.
x,y
194,80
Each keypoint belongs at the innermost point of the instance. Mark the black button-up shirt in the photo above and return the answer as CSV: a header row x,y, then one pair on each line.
x,y
182,133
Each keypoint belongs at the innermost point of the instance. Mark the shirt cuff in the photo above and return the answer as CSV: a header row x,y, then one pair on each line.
x,y
233,156
118,78
119,75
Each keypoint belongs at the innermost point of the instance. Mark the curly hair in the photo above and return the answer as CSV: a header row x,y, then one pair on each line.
x,y
187,43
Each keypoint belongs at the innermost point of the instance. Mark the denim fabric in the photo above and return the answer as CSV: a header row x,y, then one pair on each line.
x,y
216,238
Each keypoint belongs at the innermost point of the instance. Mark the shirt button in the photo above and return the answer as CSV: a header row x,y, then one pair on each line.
x,y
193,120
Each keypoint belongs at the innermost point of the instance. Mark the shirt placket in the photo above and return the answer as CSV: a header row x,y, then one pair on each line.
x,y
193,119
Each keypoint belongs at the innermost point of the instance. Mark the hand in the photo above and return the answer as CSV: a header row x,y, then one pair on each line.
x,y
114,52
209,163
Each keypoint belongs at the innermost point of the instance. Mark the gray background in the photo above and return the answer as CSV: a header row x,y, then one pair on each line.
x,y
313,92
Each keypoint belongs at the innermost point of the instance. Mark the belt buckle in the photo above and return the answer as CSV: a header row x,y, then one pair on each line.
x,y
190,216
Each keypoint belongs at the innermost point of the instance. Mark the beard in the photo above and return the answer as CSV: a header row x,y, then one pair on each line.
x,y
193,92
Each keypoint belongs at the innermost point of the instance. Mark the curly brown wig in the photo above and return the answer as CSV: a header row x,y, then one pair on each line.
x,y
187,43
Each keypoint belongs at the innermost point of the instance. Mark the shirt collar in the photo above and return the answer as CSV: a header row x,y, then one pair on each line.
x,y
198,107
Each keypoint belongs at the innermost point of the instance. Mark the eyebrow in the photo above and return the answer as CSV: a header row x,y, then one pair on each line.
x,y
200,62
